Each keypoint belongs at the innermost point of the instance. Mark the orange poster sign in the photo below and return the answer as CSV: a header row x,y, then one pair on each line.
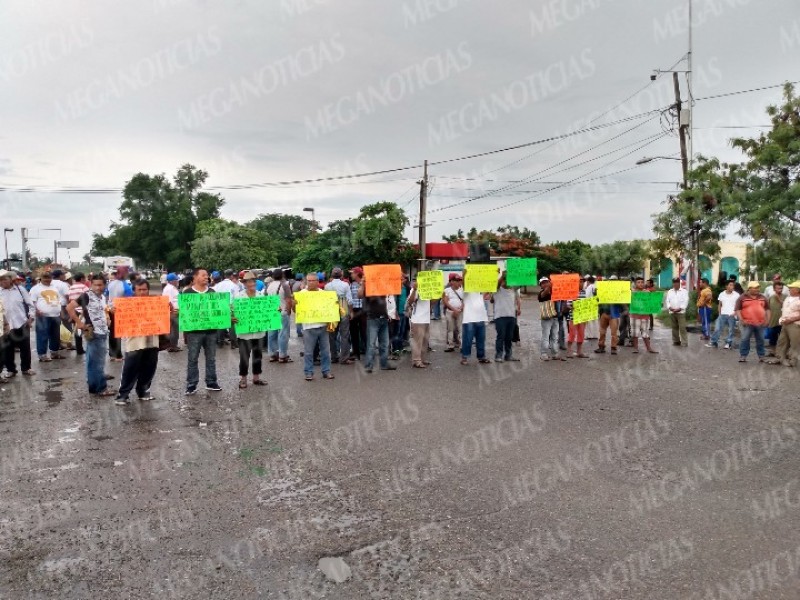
x,y
147,315
382,280
566,286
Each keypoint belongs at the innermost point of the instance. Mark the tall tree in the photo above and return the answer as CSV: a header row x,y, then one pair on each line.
x,y
222,244
287,233
158,218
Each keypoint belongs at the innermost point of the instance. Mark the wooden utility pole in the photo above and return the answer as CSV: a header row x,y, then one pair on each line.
x,y
694,272
423,198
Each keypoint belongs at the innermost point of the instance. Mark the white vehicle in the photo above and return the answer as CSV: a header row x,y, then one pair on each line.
x,y
112,262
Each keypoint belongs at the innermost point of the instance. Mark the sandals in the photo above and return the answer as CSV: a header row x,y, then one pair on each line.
x,y
419,366
484,361
105,394
243,384
328,376
274,358
259,382
309,378
349,361
285,359
464,361
29,372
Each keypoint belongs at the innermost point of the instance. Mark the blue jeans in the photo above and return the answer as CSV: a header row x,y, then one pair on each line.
x,y
772,334
476,331
722,321
704,316
278,340
505,333
744,346
48,330
96,349
549,344
207,340
377,330
437,309
400,335
310,339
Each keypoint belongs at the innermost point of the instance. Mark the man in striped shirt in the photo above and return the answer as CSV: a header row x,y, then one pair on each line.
x,y
358,317
74,292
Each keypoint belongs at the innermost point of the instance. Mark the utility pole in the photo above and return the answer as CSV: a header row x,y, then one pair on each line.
x,y
24,233
694,271
423,193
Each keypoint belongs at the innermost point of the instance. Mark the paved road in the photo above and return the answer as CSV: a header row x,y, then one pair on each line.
x,y
635,476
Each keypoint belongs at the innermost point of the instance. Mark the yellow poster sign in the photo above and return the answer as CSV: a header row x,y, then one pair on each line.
x,y
614,292
317,307
430,285
481,278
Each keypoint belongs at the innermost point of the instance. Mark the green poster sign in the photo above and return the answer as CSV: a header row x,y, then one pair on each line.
x,y
204,311
646,303
257,314
521,271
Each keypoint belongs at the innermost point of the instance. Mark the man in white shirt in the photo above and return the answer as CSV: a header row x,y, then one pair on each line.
x,y
278,341
47,302
116,289
19,314
229,285
474,326
677,301
313,334
340,337
171,291
727,317
453,299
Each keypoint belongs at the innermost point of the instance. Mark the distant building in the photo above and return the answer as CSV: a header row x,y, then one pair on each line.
x,y
733,257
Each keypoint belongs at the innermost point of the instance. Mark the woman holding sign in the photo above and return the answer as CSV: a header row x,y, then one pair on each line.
x,y
250,342
420,328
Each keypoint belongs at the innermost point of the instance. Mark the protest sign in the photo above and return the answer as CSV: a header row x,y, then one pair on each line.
x,y
135,316
646,303
481,278
430,285
614,292
565,287
382,280
204,311
317,307
521,271
584,310
257,314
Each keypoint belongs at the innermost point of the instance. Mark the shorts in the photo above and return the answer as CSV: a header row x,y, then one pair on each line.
x,y
641,328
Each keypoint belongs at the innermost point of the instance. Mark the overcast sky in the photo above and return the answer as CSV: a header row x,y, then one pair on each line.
x,y
260,92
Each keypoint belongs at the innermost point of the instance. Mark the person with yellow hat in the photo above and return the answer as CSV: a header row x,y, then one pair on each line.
x,y
752,310
789,339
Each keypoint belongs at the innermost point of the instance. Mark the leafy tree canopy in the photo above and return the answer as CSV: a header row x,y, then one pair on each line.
x,y
222,244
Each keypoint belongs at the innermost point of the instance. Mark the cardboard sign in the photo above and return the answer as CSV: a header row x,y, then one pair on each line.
x,y
317,307
481,278
585,310
565,287
257,314
383,280
646,303
135,316
521,271
614,292
430,285
198,312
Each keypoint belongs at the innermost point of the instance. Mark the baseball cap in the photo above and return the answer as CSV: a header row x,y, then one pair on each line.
x,y
543,279
172,277
247,276
298,276
753,284
4,273
357,271
215,274
614,277
452,276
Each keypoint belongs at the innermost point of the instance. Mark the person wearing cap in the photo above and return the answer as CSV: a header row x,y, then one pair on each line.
x,y
773,332
250,342
420,319
340,337
19,315
726,309
752,310
641,323
358,318
47,302
677,299
453,299
116,289
788,348
705,301
548,315
507,308
313,334
171,291
278,341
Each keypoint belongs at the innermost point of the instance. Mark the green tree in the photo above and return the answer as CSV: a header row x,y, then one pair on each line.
x,y
286,232
222,244
158,218
619,258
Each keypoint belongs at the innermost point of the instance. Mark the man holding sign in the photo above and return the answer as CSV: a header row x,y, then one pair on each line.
x,y
251,342
641,322
202,335
315,333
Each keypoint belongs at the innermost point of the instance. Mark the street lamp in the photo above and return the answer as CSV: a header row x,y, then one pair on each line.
x,y
313,218
5,237
648,159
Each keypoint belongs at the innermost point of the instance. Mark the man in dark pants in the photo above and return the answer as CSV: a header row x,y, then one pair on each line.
x,y
358,317
116,289
19,315
205,339
141,359
377,329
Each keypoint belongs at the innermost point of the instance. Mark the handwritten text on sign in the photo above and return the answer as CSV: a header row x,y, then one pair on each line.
x,y
382,280
257,314
430,285
481,278
317,307
565,287
646,303
147,315
584,310
521,271
204,311
614,292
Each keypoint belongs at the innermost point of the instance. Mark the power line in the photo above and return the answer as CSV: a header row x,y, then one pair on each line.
x,y
758,89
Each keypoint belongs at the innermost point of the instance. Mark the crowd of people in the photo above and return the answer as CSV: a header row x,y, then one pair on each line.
x,y
374,330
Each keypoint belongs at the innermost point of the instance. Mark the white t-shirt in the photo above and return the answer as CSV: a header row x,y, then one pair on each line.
x,y
422,313
474,308
46,299
63,290
454,297
728,303
172,293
